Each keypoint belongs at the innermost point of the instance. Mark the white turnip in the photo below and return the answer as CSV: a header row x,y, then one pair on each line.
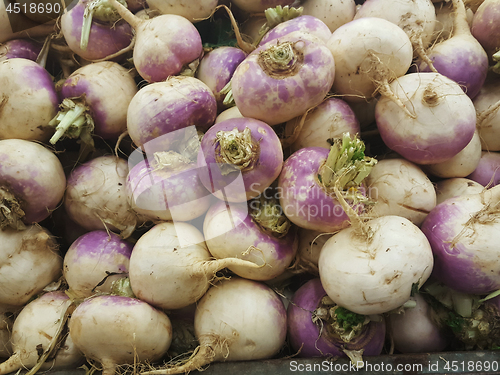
x,y
334,13
194,11
453,187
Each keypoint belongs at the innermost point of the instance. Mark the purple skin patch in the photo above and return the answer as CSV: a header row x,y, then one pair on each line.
x,y
484,27
99,242
455,266
305,335
487,173
20,48
305,24
302,199
104,40
255,180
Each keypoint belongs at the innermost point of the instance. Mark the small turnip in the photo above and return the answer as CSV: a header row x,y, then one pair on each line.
x,y
333,13
453,187
20,48
487,172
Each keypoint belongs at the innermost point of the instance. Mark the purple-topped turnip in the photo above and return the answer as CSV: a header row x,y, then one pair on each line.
x,y
259,232
118,330
487,172
239,158
28,100
283,78
32,182
461,57
167,187
463,234
94,261
164,45
193,10
327,121
304,24
20,48
310,176
95,39
161,108
439,120
317,327
95,99
484,26
217,67
171,267
254,330
38,341
96,197
29,261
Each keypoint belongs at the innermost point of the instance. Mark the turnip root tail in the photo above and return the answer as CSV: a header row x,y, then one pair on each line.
x,y
460,24
482,116
126,14
245,46
385,90
418,47
202,356
11,365
108,367
212,266
10,211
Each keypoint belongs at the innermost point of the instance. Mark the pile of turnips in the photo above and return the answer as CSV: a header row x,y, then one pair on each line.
x,y
189,182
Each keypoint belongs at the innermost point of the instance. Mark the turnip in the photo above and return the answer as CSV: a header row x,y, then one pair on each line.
x,y
258,232
217,67
416,18
453,187
164,45
369,53
399,187
29,261
171,267
32,182
28,100
317,327
442,120
6,321
487,172
236,320
310,244
487,103
232,112
239,158
20,48
194,11
484,27
462,233
304,24
461,57
95,39
327,121
94,261
37,334
117,330
259,6
167,187
95,101
414,329
162,108
306,183
460,165
96,196
283,78
333,13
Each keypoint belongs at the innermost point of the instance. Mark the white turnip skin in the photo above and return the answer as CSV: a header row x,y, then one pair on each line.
x,y
283,78
20,48
107,89
254,233
171,267
334,13
487,172
160,109
372,270
96,196
327,121
32,182
399,187
236,320
416,18
460,165
414,331
445,19
28,100
232,112
487,103
369,53
117,330
463,234
91,258
193,10
441,122
105,39
164,44
461,57
29,261
36,325
453,187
